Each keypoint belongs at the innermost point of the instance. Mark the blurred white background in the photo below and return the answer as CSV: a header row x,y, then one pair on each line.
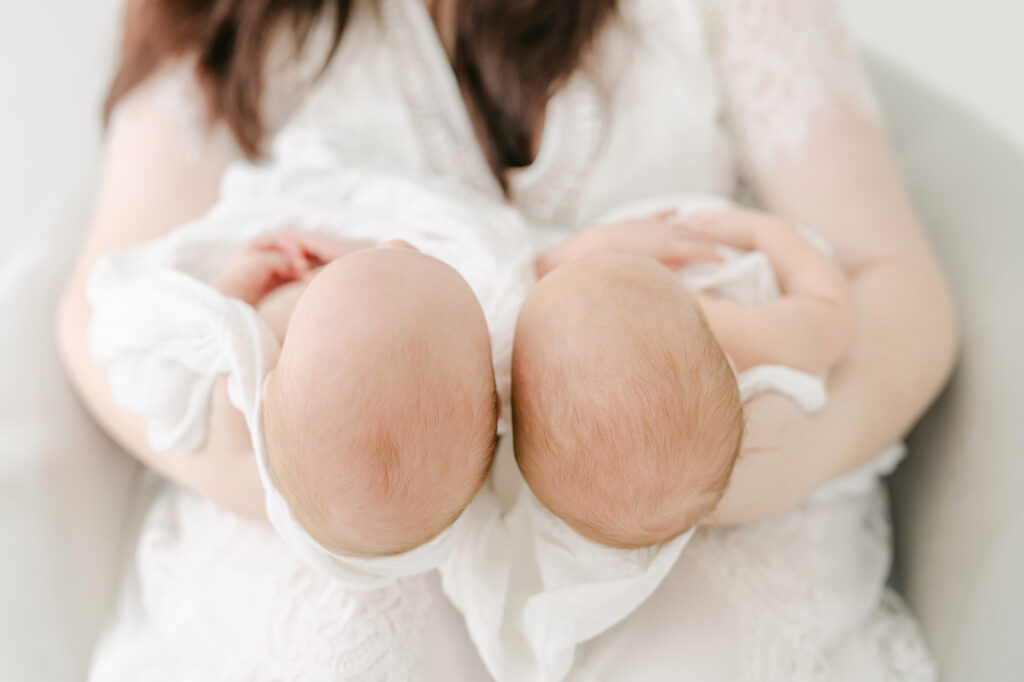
x,y
57,55
971,50
55,59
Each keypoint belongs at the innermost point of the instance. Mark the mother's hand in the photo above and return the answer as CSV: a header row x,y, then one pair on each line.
x,y
661,236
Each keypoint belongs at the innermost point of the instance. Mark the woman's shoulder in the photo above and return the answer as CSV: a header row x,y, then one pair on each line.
x,y
172,92
176,93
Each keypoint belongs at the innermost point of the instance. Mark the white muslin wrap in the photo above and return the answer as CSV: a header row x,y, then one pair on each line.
x,y
165,336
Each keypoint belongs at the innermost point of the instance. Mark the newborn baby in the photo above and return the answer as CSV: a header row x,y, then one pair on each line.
x,y
626,410
380,415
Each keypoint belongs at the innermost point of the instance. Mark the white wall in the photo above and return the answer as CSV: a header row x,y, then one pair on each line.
x,y
55,59
972,50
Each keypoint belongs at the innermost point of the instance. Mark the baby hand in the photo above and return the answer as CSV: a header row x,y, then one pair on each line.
x,y
811,326
266,263
660,236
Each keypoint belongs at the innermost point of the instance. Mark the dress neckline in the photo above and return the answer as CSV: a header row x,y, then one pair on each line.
x,y
569,139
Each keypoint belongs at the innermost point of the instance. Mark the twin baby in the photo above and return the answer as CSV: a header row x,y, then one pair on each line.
x,y
380,415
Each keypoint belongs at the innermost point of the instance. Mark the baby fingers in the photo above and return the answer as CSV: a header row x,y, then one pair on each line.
x,y
736,228
280,265
291,246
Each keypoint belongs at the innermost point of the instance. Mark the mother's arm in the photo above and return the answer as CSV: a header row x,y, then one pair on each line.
x,y
162,166
819,157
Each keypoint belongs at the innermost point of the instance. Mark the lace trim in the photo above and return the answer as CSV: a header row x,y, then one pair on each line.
x,y
547,190
893,632
433,96
550,188
788,616
779,610
783,66
321,630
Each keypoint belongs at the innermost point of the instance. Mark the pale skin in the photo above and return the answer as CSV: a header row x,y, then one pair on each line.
x,y
844,183
270,273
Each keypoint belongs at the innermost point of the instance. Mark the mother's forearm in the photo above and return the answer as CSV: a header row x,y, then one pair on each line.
x,y
223,470
902,355
845,183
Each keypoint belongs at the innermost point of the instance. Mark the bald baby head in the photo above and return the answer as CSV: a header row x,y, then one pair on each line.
x,y
626,412
380,416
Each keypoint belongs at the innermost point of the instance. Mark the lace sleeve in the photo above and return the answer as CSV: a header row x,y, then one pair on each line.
x,y
811,150
784,66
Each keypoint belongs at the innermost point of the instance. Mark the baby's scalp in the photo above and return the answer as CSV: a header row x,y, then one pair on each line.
x,y
380,417
626,413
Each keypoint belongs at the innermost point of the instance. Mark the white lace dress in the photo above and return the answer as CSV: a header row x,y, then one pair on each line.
x,y
680,96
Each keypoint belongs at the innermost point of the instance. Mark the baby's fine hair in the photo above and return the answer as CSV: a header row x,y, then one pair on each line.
x,y
627,417
379,434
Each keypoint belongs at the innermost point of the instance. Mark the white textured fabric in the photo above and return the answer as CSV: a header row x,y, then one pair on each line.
x,y
785,64
657,111
211,596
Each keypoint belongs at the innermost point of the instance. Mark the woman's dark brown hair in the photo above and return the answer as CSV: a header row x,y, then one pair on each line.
x,y
510,56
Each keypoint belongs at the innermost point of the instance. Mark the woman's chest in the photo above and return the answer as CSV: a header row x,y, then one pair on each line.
x,y
640,118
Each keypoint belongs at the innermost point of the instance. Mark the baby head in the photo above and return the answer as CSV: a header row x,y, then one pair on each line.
x,y
380,416
626,412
